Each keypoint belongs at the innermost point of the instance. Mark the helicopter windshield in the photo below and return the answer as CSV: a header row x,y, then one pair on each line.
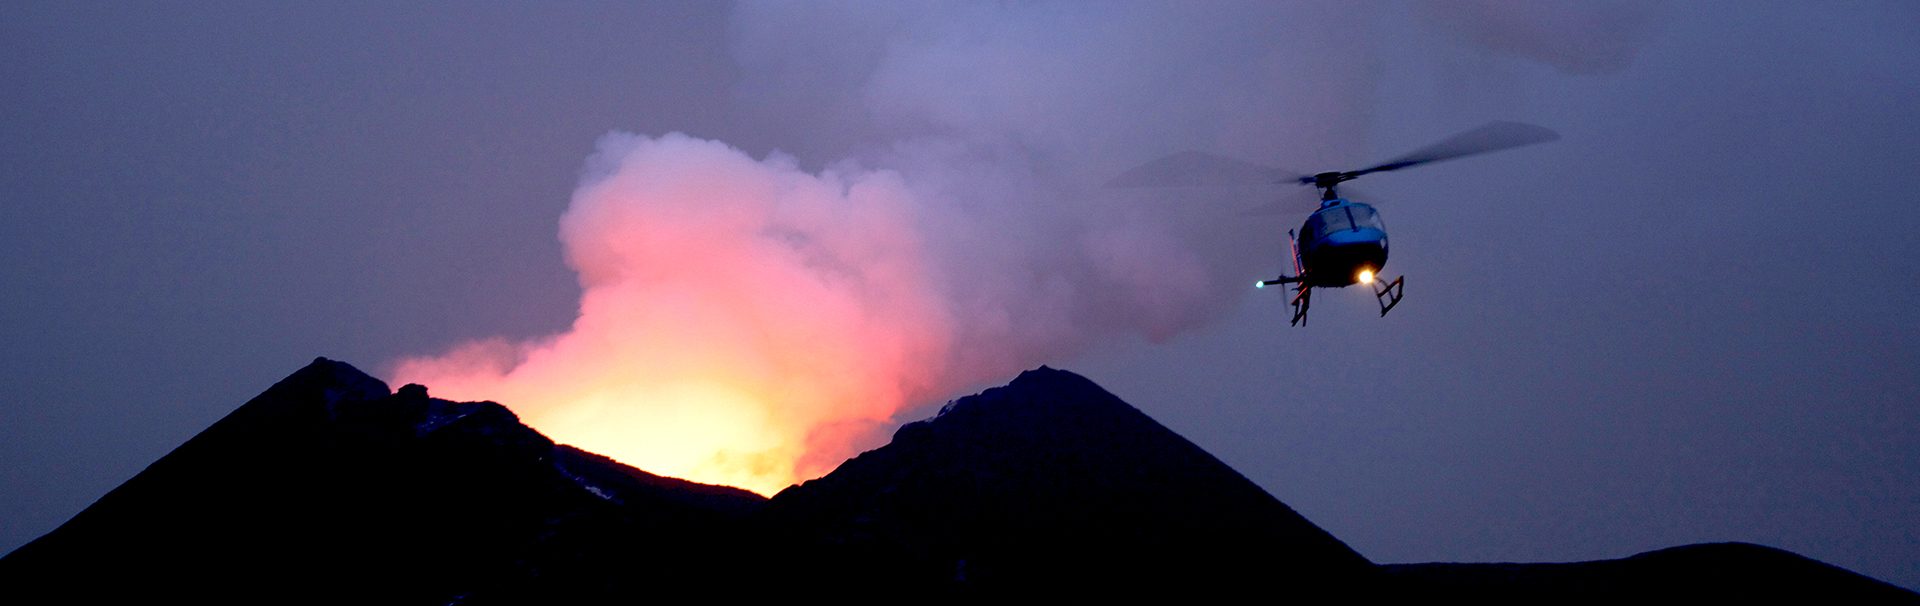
x,y
1346,217
1333,220
1363,216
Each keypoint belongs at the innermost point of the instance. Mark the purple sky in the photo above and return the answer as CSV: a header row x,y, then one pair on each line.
x,y
1689,320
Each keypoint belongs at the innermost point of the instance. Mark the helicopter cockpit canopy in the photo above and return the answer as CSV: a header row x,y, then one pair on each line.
x,y
1350,216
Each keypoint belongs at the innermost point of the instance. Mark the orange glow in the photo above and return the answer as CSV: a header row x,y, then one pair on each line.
x,y
741,322
749,323
690,430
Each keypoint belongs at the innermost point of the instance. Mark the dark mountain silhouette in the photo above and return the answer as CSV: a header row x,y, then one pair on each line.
x,y
1715,573
1053,481
330,488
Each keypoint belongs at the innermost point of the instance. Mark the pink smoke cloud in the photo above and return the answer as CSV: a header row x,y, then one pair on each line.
x,y
740,321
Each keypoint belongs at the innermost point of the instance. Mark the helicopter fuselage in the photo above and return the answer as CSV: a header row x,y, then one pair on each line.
x,y
1341,244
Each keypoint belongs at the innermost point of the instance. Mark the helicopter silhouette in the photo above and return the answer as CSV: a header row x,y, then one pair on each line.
x,y
1344,241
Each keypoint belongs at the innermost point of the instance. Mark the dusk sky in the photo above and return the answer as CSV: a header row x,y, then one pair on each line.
x,y
740,243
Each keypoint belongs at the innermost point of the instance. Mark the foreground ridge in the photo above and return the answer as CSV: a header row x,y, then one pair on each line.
x,y
330,487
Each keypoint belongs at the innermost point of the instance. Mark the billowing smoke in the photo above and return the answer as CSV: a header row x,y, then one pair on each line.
x,y
1585,37
753,322
736,316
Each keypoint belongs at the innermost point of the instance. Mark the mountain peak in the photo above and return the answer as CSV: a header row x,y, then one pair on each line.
x,y
338,377
329,483
1045,373
1052,459
1045,395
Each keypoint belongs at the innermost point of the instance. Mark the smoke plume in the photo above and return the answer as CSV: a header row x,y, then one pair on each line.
x,y
753,323
1589,37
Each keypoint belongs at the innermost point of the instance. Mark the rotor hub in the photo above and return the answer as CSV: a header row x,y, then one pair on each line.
x,y
1326,182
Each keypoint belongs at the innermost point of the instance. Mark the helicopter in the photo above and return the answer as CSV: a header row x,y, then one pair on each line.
x,y
1343,242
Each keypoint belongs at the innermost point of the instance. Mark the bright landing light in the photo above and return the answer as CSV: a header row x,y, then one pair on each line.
x,y
1366,276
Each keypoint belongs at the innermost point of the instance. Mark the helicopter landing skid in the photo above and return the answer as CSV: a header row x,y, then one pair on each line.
x,y
1300,303
1388,294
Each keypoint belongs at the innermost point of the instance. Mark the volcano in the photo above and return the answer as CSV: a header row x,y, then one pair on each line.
x,y
330,487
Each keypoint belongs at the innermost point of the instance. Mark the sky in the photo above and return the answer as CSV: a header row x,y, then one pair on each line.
x,y
1688,320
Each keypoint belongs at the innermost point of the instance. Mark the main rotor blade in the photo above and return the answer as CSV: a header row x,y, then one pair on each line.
x,y
1294,203
1495,136
1201,169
